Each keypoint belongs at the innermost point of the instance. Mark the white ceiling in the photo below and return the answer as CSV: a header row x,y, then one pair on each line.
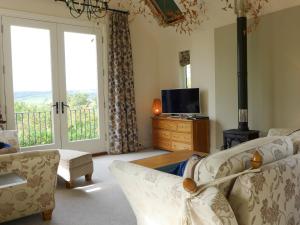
x,y
218,17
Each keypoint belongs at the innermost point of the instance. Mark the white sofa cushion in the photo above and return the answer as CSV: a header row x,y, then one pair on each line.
x,y
237,159
191,165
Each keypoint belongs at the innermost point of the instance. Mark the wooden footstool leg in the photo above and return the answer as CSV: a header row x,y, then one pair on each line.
x,y
88,177
69,184
47,215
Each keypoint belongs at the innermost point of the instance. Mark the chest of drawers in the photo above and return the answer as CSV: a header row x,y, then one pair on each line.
x,y
176,134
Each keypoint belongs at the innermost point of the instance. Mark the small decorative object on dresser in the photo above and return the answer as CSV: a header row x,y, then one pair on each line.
x,y
176,134
156,107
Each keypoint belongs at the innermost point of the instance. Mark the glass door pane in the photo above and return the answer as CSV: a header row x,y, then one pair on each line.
x,y
30,91
31,65
81,86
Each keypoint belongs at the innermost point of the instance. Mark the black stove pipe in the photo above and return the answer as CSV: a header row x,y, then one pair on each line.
x,y
242,72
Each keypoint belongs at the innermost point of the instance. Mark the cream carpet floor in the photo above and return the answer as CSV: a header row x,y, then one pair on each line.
x,y
101,202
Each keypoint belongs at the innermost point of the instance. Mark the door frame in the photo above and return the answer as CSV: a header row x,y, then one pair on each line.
x,y
7,61
93,145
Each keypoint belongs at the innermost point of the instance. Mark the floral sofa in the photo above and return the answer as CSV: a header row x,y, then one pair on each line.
x,y
39,169
270,195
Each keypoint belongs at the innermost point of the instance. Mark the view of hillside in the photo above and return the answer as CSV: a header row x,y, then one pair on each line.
x,y
45,97
33,112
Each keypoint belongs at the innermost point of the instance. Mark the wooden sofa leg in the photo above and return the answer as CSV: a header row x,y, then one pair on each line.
x,y
88,177
69,184
47,215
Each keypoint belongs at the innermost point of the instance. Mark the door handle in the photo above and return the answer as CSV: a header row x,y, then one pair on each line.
x,y
56,107
63,105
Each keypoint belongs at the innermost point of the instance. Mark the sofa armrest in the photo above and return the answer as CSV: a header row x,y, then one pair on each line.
x,y
39,168
159,198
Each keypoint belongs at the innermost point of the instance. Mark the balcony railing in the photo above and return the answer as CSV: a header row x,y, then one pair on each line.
x,y
36,128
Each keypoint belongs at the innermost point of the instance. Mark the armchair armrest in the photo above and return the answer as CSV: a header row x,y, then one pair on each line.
x,y
159,198
27,164
39,168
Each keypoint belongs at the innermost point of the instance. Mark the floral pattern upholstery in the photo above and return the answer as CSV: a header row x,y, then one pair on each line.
x,y
237,159
280,132
294,134
159,198
270,197
39,168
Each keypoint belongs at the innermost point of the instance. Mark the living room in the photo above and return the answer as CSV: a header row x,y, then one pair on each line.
x,y
97,197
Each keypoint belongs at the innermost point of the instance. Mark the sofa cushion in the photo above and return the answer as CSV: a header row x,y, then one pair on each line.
x,y
190,166
210,208
237,159
269,197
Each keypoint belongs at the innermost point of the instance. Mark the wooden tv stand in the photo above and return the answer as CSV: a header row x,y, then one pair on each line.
x,y
176,134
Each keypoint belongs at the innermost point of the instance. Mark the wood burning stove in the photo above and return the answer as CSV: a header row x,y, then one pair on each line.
x,y
242,134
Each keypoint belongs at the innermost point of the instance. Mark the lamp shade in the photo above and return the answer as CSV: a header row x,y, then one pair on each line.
x,y
156,107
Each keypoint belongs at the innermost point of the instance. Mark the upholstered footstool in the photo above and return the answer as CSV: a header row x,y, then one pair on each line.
x,y
74,164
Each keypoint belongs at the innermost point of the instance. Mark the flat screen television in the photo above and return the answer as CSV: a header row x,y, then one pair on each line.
x,y
181,101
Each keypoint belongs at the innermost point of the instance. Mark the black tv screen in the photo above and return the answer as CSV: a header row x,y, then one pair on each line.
x,y
179,101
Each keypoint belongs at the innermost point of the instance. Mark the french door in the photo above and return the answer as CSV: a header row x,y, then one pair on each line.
x,y
54,85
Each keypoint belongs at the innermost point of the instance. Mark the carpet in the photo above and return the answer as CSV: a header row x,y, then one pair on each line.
x,y
100,202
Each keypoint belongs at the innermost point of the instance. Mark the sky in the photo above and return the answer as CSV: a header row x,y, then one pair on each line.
x,y
32,66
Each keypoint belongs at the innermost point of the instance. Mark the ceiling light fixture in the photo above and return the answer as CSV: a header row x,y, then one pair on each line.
x,y
92,8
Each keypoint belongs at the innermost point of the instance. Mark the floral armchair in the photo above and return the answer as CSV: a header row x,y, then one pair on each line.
x,y
36,194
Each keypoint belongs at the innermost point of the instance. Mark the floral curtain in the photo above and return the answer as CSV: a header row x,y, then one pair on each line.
x,y
122,113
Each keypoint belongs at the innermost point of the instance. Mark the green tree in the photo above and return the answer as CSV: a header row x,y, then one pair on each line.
x,y
79,100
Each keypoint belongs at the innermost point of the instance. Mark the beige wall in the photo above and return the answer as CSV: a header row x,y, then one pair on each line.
x,y
286,68
145,59
45,7
274,73
201,46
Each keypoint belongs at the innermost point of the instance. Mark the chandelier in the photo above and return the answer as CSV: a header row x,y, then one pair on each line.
x,y
92,8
